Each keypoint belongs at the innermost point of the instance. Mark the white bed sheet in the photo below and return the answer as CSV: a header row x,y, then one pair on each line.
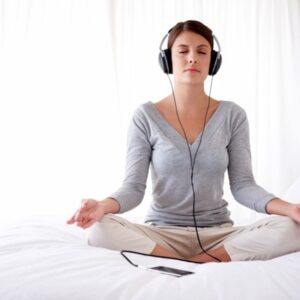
x,y
47,259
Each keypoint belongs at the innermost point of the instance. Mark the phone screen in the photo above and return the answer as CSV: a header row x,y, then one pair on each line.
x,y
171,271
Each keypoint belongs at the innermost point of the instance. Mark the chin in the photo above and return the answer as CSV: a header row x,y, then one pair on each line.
x,y
191,81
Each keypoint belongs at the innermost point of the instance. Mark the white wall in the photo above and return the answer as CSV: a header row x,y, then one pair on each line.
x,y
72,72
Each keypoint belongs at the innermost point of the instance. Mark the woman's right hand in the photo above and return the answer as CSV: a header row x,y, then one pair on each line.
x,y
89,212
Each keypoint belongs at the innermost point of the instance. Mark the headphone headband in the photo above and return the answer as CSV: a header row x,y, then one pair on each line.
x,y
162,41
218,44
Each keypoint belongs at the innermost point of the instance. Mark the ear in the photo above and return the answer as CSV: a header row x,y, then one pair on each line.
x,y
165,61
215,62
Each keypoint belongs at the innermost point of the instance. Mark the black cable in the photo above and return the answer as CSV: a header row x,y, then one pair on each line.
x,y
192,161
125,251
151,255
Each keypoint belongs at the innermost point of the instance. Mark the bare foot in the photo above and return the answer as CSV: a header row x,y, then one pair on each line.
x,y
217,255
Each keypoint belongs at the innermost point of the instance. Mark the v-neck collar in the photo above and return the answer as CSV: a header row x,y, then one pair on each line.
x,y
175,134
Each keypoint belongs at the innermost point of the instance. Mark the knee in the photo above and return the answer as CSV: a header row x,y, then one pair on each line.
x,y
288,226
289,232
103,233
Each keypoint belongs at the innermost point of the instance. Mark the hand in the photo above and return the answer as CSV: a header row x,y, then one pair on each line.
x,y
295,212
89,212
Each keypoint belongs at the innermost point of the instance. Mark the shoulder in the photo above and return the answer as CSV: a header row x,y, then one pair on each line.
x,y
235,115
233,108
143,113
151,109
143,117
233,111
143,109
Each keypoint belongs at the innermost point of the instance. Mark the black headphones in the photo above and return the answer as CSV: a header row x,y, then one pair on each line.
x,y
165,58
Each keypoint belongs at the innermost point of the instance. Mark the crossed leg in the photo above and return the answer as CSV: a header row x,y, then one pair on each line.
x,y
220,253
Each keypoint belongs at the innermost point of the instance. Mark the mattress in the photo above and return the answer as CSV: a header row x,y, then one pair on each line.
x,y
43,258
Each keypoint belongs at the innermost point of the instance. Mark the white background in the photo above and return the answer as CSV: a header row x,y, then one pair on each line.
x,y
72,72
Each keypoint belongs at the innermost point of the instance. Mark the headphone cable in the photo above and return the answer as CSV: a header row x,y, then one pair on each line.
x,y
192,161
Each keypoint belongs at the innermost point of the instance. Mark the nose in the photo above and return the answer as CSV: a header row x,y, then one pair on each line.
x,y
192,56
192,60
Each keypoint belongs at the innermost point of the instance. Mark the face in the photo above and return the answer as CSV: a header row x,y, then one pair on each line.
x,y
190,58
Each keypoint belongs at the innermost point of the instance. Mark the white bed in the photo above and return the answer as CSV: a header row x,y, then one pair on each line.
x,y
47,259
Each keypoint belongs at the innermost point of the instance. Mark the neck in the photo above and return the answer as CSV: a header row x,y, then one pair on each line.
x,y
190,98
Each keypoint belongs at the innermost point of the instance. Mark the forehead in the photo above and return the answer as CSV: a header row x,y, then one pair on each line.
x,y
190,38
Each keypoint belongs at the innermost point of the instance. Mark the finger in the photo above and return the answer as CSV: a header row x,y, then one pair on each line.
x,y
84,221
79,216
81,224
88,224
71,220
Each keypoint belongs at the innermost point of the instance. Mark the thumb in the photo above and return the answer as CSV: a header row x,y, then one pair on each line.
x,y
71,220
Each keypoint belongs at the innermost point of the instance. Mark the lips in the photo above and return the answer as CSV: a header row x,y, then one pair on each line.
x,y
191,70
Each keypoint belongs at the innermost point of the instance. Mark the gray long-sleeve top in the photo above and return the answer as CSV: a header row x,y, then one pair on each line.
x,y
152,141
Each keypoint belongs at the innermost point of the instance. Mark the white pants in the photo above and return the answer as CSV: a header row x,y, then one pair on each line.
x,y
265,239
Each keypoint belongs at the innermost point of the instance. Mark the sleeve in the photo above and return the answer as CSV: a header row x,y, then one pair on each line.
x,y
139,150
242,183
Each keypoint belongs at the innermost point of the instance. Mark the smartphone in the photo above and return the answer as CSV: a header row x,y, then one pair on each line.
x,y
171,271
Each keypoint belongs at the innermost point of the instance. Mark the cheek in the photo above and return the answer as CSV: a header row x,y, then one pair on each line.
x,y
177,61
205,67
177,68
204,61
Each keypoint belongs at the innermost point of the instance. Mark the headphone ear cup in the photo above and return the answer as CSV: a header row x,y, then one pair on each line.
x,y
215,62
165,61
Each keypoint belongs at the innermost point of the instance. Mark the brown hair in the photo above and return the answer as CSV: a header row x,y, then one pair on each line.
x,y
190,25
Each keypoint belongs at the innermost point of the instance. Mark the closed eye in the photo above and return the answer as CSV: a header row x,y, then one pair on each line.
x,y
200,52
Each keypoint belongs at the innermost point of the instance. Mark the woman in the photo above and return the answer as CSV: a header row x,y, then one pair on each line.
x,y
188,179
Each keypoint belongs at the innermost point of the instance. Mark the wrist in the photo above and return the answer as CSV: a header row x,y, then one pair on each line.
x,y
109,205
101,206
278,206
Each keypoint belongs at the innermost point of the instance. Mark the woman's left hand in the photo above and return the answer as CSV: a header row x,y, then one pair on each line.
x,y
294,213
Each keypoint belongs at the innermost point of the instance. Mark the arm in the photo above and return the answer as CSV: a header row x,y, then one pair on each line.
x,y
132,191
280,207
139,152
242,183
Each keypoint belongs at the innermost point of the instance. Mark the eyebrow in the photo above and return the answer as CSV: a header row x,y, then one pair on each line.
x,y
199,46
